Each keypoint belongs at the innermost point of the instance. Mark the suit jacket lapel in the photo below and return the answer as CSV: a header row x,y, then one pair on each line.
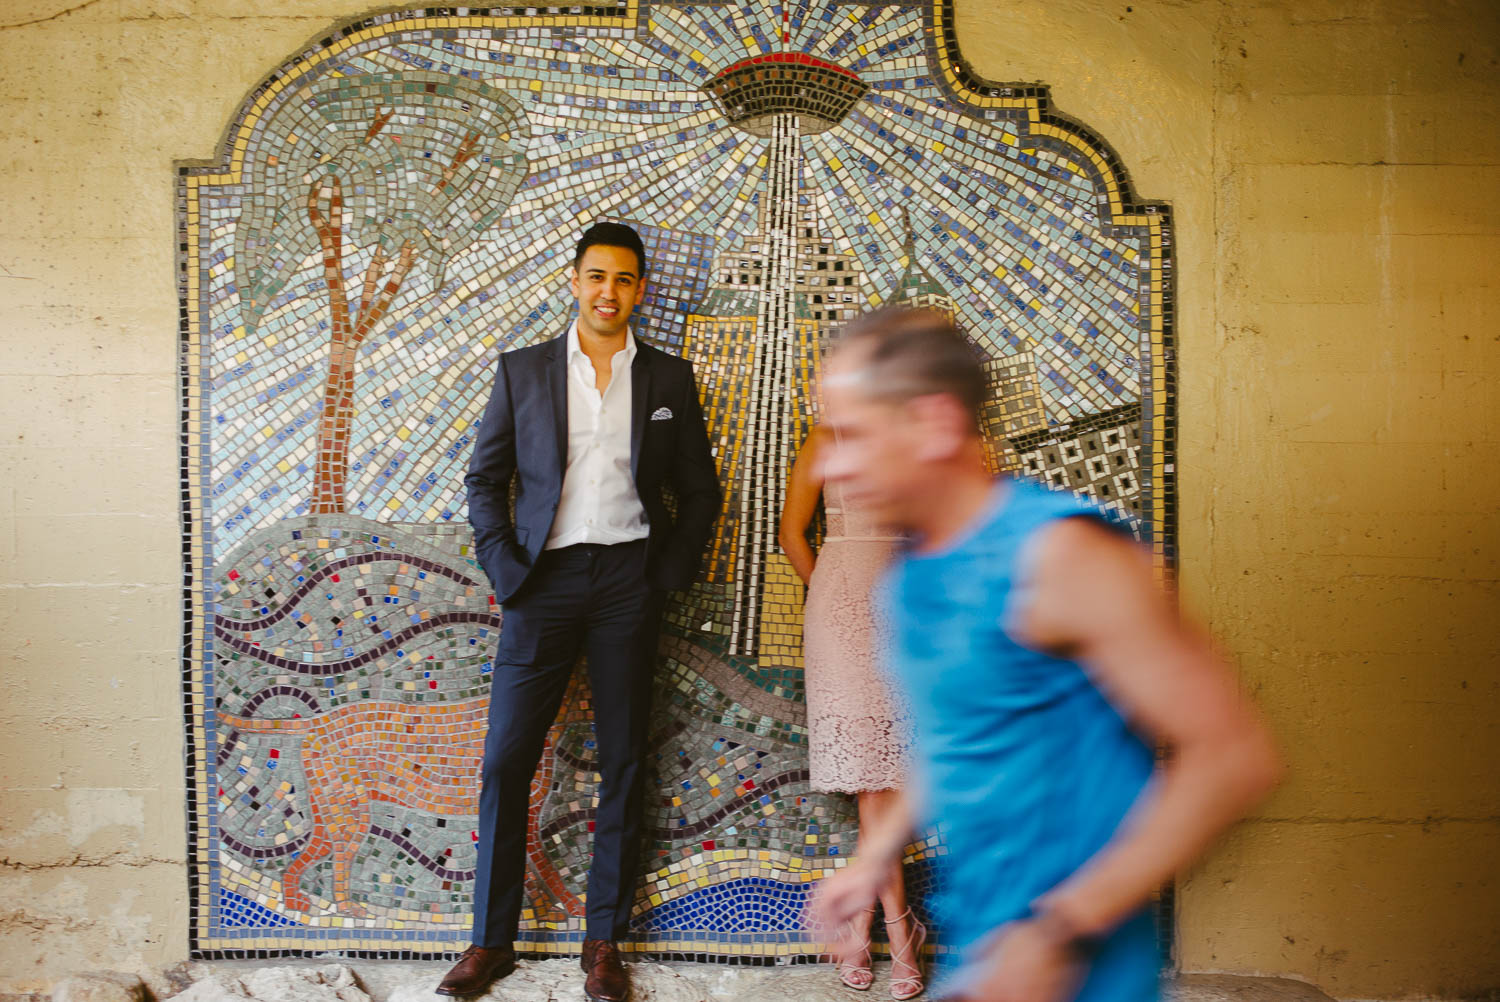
x,y
640,393
557,389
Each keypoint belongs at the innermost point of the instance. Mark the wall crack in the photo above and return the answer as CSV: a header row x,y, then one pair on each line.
x,y
81,862
49,17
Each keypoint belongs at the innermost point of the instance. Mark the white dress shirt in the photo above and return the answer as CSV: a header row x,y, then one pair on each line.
x,y
599,502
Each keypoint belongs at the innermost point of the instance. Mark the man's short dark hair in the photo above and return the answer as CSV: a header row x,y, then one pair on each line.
x,y
907,353
612,235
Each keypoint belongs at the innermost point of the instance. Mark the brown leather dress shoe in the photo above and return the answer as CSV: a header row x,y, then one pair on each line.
x,y
606,981
478,967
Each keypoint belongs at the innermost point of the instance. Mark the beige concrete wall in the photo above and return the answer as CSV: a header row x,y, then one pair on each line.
x,y
94,106
1335,170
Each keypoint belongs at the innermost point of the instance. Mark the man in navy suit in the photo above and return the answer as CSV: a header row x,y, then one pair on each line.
x,y
589,430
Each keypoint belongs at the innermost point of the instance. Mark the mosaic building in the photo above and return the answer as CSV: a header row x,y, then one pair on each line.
x,y
394,207
1015,407
1097,457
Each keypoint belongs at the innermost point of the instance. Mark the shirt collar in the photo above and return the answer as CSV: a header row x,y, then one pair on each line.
x,y
575,350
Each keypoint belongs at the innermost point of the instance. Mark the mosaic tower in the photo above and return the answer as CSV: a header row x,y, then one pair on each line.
x,y
777,97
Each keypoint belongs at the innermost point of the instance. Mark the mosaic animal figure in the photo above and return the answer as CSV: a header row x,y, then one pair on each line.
x,y
426,757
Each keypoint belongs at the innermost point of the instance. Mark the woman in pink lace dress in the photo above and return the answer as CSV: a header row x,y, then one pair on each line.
x,y
856,730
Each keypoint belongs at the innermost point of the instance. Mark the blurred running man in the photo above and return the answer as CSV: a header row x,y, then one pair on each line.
x,y
1044,664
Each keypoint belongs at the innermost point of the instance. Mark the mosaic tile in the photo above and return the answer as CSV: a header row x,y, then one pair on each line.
x,y
396,206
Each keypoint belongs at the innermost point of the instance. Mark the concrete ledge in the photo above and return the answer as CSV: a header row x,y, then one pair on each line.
x,y
1233,988
334,979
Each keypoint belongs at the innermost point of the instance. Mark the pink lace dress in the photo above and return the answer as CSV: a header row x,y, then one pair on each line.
x,y
857,727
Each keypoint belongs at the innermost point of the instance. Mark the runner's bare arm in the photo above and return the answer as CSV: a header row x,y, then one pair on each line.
x,y
1090,594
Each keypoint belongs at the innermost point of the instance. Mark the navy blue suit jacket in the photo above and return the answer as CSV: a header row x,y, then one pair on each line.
x,y
523,442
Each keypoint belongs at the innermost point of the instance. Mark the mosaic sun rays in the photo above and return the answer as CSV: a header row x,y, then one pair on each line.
x,y
394,207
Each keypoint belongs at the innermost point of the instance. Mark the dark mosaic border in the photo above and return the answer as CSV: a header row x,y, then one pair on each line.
x,y
1158,401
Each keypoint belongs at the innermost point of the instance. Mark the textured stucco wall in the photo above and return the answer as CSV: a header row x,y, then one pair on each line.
x,y
1335,171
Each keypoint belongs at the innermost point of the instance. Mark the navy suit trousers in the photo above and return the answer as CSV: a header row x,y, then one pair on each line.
x,y
591,599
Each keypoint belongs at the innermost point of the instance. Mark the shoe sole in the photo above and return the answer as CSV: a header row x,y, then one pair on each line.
x,y
598,998
450,993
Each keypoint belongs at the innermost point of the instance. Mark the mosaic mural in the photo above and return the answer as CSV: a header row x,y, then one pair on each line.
x,y
394,207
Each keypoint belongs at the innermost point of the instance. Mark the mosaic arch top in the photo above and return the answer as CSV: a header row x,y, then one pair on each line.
x,y
393,208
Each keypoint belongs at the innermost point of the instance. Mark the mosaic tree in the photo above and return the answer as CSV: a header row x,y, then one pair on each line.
x,y
378,175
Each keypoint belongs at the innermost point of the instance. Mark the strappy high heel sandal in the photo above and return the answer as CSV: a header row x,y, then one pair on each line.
x,y
912,985
859,976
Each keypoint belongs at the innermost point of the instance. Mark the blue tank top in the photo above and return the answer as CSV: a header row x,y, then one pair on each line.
x,y
1020,761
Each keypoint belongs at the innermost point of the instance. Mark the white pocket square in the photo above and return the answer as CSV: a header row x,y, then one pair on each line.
x,y
662,414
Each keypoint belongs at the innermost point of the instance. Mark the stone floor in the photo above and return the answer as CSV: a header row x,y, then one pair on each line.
x,y
338,980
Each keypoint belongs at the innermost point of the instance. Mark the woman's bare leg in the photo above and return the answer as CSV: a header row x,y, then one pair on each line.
x,y
873,805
